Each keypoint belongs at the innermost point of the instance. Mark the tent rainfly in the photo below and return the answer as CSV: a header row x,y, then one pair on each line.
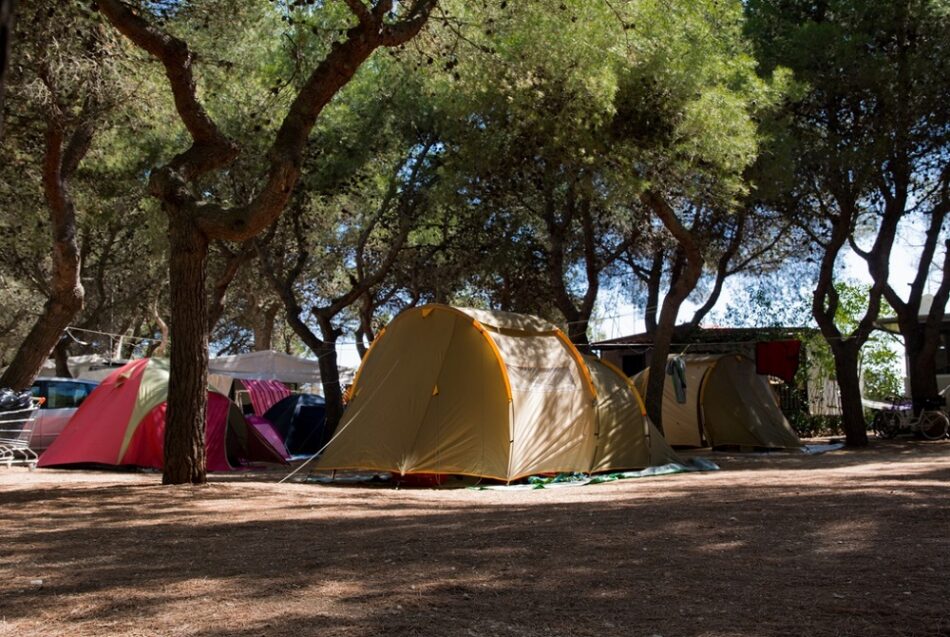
x,y
727,404
491,394
122,422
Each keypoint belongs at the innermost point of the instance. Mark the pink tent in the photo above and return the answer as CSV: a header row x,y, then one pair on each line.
x,y
266,429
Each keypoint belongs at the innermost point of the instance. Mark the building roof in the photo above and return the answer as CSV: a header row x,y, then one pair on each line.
x,y
710,336
890,323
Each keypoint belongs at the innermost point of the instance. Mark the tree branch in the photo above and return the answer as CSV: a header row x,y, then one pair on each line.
x,y
211,149
722,272
286,154
655,202
361,12
235,260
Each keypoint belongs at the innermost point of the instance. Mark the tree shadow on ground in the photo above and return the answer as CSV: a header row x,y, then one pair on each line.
x,y
840,556
877,451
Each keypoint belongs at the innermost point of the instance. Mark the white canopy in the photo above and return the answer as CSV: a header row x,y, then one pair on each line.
x,y
271,365
267,365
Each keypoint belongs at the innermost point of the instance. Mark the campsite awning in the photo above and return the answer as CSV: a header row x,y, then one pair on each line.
x,y
271,365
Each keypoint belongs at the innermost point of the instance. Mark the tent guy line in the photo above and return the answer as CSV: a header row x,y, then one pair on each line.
x,y
126,337
315,454
122,336
336,435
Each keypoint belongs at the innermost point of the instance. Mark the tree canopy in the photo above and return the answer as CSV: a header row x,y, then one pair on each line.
x,y
294,174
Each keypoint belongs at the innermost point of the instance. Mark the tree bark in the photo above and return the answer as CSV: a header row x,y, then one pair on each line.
x,y
330,375
188,380
264,327
846,353
219,291
7,13
682,285
663,340
364,333
845,349
922,369
654,280
724,268
324,346
921,339
61,357
577,207
193,222
66,293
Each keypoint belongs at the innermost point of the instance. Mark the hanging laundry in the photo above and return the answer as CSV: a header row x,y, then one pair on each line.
x,y
778,358
676,368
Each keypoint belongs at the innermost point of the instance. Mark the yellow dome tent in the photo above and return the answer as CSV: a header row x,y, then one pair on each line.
x,y
727,404
473,392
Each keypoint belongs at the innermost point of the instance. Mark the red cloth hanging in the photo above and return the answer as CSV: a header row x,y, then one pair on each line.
x,y
778,358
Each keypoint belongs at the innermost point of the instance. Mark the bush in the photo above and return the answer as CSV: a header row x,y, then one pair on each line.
x,y
808,426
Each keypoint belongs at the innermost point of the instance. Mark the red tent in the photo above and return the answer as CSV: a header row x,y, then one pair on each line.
x,y
122,422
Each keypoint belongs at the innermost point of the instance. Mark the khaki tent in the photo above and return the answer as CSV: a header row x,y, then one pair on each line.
x,y
727,404
626,439
471,392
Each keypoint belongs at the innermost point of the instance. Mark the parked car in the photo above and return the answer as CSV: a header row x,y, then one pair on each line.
x,y
63,396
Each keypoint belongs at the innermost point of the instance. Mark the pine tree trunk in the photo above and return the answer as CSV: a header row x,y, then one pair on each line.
x,y
662,339
192,222
61,357
852,410
330,375
66,291
922,368
188,385
685,276
651,311
264,327
577,333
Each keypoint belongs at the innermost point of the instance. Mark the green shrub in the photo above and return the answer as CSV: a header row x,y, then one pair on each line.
x,y
808,426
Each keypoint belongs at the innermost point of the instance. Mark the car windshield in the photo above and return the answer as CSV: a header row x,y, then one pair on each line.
x,y
62,394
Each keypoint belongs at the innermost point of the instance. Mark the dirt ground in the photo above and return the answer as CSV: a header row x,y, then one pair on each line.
x,y
845,543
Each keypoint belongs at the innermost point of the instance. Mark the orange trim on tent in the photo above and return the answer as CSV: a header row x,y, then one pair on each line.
x,y
497,352
426,311
579,360
629,381
484,332
705,379
359,371
700,407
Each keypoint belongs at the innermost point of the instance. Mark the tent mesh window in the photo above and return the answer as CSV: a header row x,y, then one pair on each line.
x,y
542,379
